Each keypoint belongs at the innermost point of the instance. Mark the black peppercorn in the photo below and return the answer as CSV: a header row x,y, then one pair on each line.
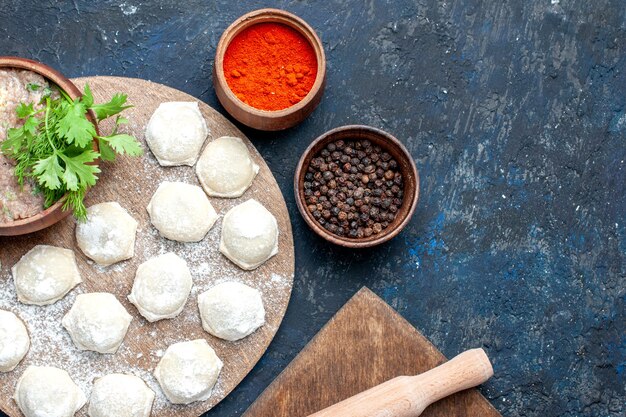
x,y
353,188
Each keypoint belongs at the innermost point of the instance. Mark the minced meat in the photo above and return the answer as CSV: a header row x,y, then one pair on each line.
x,y
17,86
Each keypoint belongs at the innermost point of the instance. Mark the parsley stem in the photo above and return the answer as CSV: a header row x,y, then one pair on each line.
x,y
46,123
64,94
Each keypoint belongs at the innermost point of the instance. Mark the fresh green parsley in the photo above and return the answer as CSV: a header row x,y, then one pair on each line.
x,y
33,86
54,145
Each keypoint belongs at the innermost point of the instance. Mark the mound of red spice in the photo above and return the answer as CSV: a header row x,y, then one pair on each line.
x,y
270,66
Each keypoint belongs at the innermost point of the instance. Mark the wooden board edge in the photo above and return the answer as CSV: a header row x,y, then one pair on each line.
x,y
363,293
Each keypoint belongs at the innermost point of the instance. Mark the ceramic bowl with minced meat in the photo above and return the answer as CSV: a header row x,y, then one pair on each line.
x,y
17,86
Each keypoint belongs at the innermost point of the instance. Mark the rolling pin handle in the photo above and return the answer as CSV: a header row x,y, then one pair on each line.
x,y
466,370
408,396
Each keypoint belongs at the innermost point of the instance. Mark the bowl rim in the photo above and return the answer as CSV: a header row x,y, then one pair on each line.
x,y
344,241
268,15
36,221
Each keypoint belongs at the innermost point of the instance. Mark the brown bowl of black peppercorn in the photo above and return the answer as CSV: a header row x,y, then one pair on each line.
x,y
356,186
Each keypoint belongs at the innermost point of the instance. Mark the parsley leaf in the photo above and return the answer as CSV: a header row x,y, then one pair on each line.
x,y
120,143
19,137
87,98
77,172
24,110
121,120
53,148
123,144
113,107
30,125
49,172
13,143
106,152
74,126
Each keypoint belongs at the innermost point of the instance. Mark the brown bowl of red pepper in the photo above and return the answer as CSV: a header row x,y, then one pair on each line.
x,y
270,69
356,186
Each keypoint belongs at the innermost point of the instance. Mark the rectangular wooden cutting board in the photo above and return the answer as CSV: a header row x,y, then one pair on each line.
x,y
363,345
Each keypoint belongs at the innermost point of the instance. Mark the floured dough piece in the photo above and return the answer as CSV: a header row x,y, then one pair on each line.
x,y
225,168
45,275
176,132
181,211
108,234
120,395
231,310
162,285
249,235
188,371
46,391
98,322
14,341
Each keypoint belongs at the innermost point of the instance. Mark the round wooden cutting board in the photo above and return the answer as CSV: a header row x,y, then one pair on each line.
x,y
131,182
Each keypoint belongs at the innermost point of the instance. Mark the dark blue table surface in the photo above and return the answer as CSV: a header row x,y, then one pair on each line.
x,y
515,113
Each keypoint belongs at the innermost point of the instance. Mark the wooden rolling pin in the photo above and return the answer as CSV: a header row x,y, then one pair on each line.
x,y
408,396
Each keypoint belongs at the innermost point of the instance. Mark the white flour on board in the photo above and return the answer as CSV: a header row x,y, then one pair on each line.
x,y
52,346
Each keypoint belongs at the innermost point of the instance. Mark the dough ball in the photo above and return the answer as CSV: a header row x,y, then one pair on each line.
x,y
231,310
162,285
119,395
176,132
181,212
45,275
225,168
249,235
188,371
98,322
46,391
108,234
14,341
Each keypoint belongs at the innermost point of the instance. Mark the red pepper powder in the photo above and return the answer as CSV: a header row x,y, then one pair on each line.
x,y
270,66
